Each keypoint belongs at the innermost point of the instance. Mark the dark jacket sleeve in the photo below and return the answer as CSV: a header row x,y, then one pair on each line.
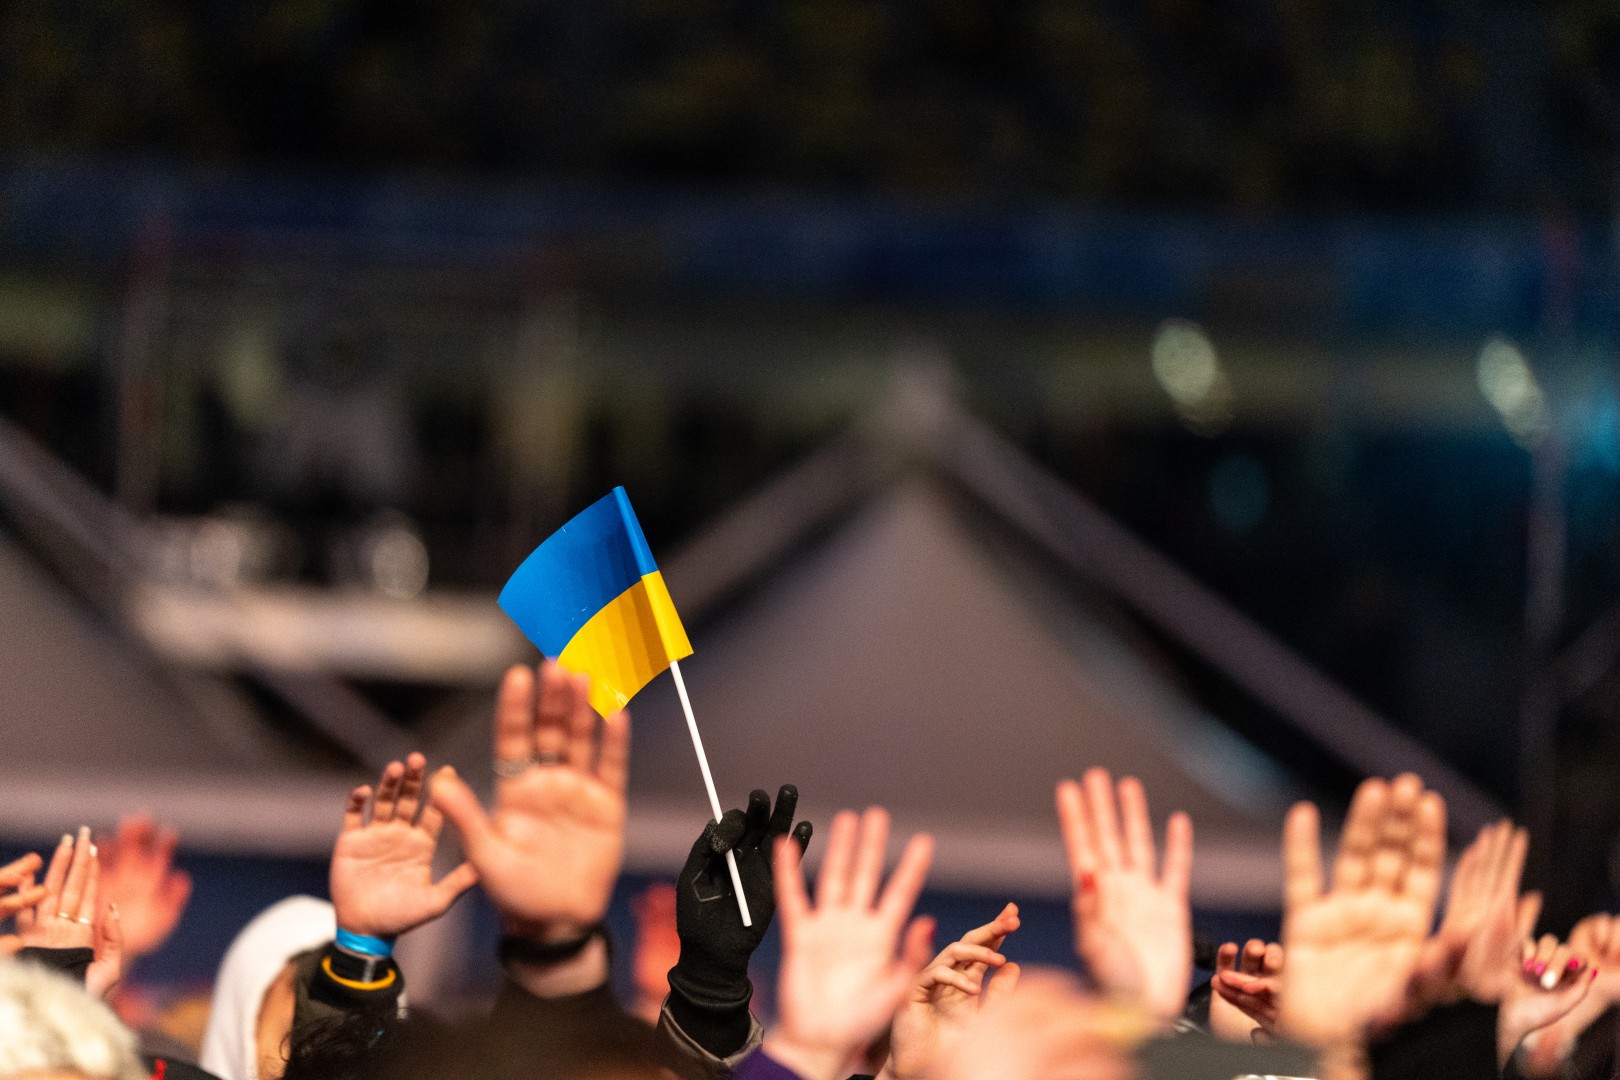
x,y
330,983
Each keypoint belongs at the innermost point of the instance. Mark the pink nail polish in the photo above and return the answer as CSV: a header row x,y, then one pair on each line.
x,y
1539,969
1574,964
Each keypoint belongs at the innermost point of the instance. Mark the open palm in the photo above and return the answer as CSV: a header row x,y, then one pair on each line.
x,y
841,979
551,849
1133,923
1353,949
382,869
138,874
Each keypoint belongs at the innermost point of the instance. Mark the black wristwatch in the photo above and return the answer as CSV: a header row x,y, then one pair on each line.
x,y
525,951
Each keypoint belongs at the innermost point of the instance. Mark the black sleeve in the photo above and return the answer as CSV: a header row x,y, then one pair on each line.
x,y
1454,1042
720,1027
70,962
331,982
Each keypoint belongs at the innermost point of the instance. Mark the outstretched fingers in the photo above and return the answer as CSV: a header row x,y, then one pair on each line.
x,y
787,804
792,900
514,714
1426,851
388,788
905,884
1071,810
18,876
411,786
613,762
1302,855
833,883
869,855
1098,786
581,746
1178,853
12,874
78,875
1133,809
1358,843
557,691
56,874
354,811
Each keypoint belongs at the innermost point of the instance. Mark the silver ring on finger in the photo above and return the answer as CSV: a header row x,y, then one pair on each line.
x,y
511,768
84,919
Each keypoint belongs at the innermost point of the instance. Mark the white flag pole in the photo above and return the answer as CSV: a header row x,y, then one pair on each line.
x,y
708,782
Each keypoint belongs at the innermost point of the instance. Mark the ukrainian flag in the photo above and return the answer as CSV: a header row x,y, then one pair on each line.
x,y
592,599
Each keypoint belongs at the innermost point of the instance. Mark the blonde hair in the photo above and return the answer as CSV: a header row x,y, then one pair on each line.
x,y
48,1024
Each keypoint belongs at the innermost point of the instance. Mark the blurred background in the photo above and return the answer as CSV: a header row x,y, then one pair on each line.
x,y
1225,395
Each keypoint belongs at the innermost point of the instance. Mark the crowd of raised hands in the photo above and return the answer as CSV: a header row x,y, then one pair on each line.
x,y
1388,964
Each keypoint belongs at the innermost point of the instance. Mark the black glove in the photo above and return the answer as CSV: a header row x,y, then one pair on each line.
x,y
709,987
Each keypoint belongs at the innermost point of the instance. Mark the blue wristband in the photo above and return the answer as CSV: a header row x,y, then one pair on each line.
x,y
382,948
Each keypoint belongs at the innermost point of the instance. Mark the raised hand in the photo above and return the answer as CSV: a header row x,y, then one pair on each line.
x,y
1243,1006
1498,964
382,867
550,851
1596,939
841,979
1353,949
1133,924
138,874
68,915
715,945
944,1000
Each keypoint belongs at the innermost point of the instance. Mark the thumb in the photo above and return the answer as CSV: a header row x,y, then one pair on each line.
x,y
452,885
917,945
455,800
1002,985
110,935
1529,912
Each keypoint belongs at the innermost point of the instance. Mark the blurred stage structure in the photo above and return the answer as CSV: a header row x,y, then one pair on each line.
x,y
917,614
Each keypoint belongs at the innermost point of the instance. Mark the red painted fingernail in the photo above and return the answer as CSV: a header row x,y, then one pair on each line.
x,y
1574,964
1594,973
1088,882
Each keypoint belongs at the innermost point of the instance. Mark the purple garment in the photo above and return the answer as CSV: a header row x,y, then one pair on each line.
x,y
761,1066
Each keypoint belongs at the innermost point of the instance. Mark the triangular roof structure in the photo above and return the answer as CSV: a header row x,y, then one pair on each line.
x,y
918,615
921,617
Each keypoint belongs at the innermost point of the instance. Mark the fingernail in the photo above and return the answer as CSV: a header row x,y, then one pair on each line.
x,y
1549,980
1529,967
1538,969
1088,882
67,838
1574,964
93,850
1594,972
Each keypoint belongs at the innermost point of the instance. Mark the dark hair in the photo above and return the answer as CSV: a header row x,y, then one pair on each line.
x,y
343,1047
369,1046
